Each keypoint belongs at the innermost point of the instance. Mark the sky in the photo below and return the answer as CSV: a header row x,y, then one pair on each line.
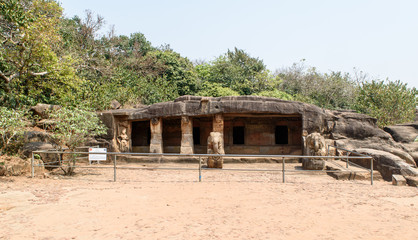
x,y
378,37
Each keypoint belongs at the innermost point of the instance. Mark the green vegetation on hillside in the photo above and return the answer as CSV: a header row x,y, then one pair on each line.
x,y
48,58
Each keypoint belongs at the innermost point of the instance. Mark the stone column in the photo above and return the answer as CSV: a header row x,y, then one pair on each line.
x,y
218,124
156,143
187,146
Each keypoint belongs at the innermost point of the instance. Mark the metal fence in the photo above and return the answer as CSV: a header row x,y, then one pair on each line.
x,y
113,156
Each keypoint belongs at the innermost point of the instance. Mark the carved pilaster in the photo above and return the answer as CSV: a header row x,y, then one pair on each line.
x,y
218,123
187,146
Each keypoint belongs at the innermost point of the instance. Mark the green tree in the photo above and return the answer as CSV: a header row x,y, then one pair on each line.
x,y
391,102
238,71
275,94
30,69
334,90
178,70
72,126
12,123
210,89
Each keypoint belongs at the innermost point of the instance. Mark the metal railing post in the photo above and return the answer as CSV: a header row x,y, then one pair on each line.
x,y
200,169
283,166
371,171
32,167
114,168
347,161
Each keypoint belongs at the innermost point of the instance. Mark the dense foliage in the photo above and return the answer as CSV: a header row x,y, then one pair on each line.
x,y
390,102
48,58
11,128
71,127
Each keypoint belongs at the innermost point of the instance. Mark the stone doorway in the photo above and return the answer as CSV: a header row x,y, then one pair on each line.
x,y
141,136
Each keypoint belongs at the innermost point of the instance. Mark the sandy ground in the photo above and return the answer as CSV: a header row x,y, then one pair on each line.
x,y
162,204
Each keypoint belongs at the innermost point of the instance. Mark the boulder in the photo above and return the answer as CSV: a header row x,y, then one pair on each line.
x,y
386,163
114,104
107,119
412,181
36,136
398,180
313,164
348,124
46,124
14,166
29,147
404,155
41,110
414,155
403,133
47,158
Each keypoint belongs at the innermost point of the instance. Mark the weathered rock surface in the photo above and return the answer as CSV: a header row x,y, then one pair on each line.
x,y
348,124
46,124
313,164
13,166
41,110
114,104
398,180
403,155
37,136
29,147
386,163
314,120
404,133
412,181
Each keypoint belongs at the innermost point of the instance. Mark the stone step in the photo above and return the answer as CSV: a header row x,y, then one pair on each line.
x,y
350,173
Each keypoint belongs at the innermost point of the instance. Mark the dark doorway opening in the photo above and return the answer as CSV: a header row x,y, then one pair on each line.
x,y
196,135
238,135
141,133
172,135
282,135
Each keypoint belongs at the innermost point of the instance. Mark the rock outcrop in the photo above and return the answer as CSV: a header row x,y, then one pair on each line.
x,y
41,110
386,163
14,166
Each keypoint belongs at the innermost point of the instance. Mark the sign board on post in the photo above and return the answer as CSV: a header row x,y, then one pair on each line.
x,y
97,157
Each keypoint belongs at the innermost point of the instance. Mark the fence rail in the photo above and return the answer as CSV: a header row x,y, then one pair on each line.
x,y
347,158
199,159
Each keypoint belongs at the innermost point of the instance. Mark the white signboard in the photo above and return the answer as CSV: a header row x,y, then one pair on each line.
x,y
97,157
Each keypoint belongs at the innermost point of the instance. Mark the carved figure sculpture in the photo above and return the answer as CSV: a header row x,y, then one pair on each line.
x,y
215,146
123,141
315,146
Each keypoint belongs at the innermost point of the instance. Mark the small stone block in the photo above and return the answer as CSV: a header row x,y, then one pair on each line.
x,y
398,180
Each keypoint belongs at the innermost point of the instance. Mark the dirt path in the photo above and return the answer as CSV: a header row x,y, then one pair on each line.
x,y
226,205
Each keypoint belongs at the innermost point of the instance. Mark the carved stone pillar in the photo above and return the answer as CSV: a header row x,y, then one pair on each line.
x,y
218,123
187,146
156,143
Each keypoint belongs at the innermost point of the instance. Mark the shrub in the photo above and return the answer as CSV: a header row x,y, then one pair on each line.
x,y
12,123
389,102
72,126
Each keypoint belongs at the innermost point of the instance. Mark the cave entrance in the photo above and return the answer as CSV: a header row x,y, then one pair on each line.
x,y
141,136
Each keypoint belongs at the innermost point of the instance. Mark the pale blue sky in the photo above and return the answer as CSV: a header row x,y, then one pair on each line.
x,y
379,37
